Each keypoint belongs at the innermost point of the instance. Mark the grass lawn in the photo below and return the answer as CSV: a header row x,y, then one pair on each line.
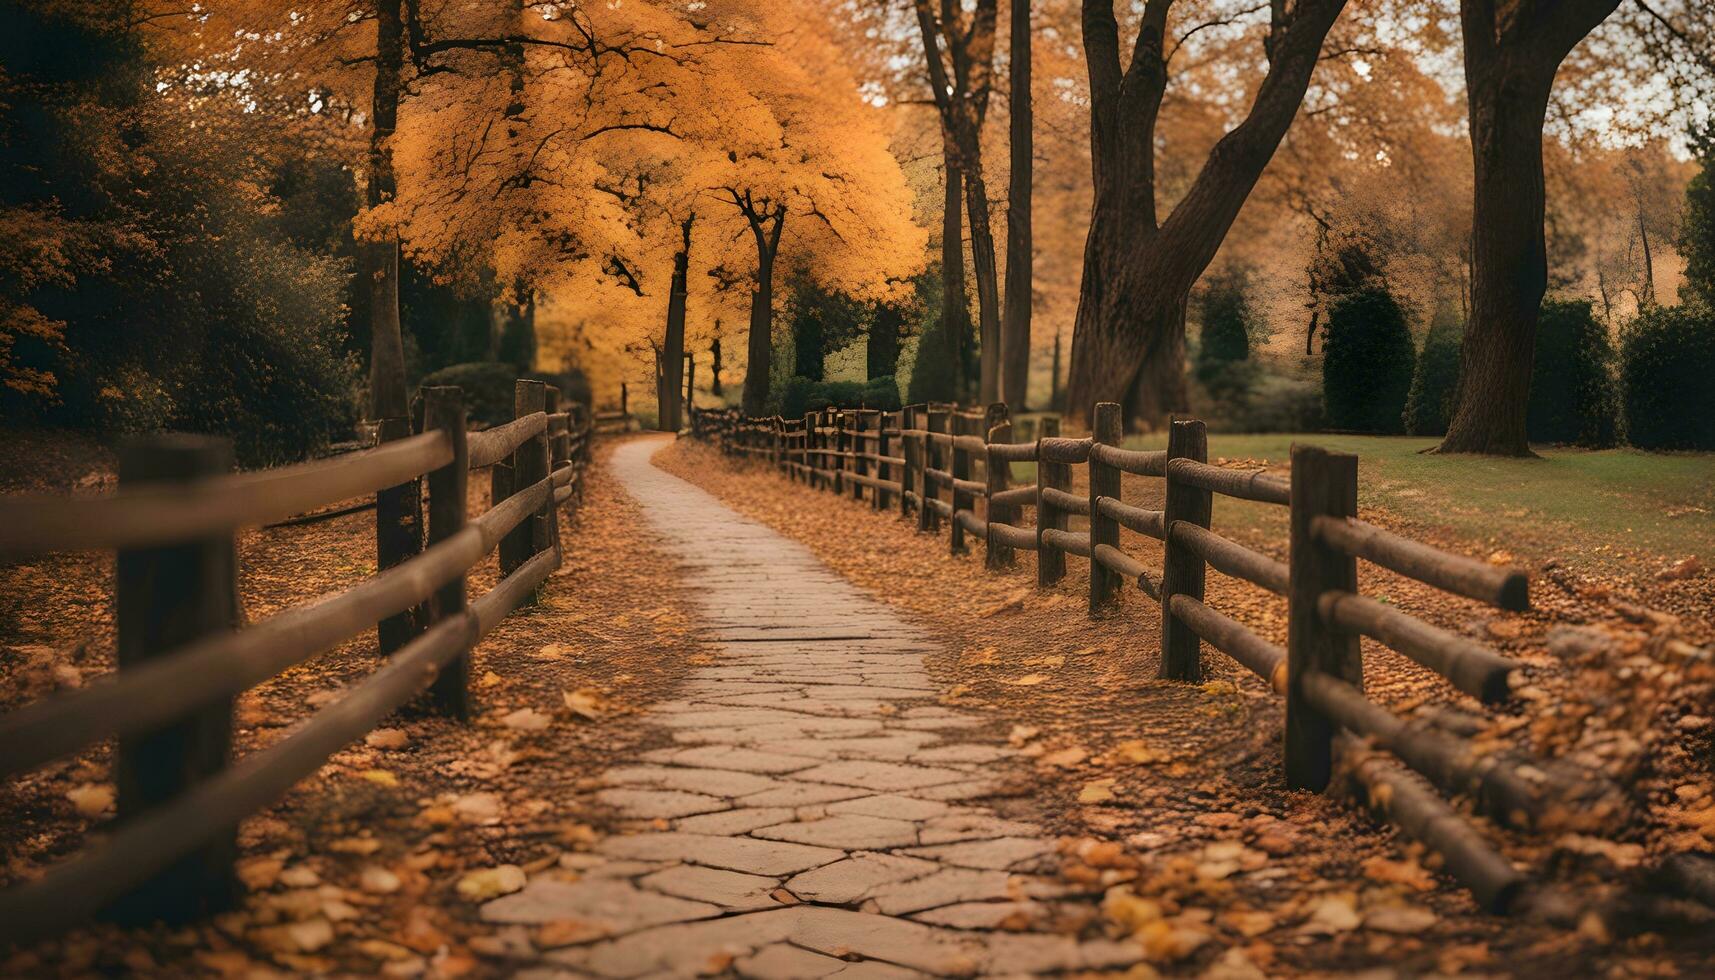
x,y
1578,505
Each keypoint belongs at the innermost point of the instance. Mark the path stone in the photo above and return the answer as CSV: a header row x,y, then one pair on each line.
x,y
827,814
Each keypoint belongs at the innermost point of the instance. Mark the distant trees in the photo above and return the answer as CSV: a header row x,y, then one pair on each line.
x,y
1697,228
1224,346
1667,358
1367,363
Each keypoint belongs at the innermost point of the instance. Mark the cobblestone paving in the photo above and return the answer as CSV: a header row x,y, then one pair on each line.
x,y
818,813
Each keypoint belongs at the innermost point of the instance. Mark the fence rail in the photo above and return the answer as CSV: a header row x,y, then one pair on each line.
x,y
183,662
1319,672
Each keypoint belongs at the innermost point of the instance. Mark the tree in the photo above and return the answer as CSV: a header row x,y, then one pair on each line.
x,y
1128,338
961,81
1572,382
1227,323
1015,318
1697,228
1367,363
1511,56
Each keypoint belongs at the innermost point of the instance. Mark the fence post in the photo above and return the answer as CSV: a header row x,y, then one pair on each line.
x,y
1182,571
1105,430
960,470
443,409
928,518
998,473
1322,483
1050,561
909,450
859,445
167,597
398,538
529,467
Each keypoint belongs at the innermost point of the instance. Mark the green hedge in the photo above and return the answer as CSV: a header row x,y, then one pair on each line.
x,y
1367,363
488,387
1667,377
1572,381
1429,406
802,395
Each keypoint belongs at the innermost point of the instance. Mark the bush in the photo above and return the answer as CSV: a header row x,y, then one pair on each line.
x,y
933,376
801,395
1429,405
1667,361
488,387
1224,345
1571,380
1367,362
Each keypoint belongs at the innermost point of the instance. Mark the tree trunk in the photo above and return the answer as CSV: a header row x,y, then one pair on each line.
x,y
1511,57
983,264
1509,261
715,363
761,340
1159,389
1647,296
1054,377
387,392
673,348
1310,333
955,314
1015,323
881,352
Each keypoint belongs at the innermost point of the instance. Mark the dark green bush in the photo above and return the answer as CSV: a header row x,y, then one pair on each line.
x,y
802,395
1429,406
1367,362
488,387
882,393
1571,381
1224,345
934,376
1667,377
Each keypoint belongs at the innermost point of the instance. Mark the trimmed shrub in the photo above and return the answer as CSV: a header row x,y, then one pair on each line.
x,y
1367,362
932,377
1429,405
1572,382
487,385
802,395
1224,344
882,393
1667,365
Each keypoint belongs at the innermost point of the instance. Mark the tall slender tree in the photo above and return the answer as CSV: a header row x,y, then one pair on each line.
x,y
1015,321
958,51
1512,53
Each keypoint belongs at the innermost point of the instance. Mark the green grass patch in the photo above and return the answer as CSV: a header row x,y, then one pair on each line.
x,y
1568,503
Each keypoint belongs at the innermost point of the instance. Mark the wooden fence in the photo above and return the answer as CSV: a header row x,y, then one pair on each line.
x,y
182,661
923,462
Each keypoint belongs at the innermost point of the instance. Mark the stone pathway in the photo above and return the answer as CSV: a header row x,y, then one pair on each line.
x,y
820,805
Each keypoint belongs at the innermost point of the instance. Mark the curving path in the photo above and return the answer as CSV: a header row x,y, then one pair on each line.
x,y
818,813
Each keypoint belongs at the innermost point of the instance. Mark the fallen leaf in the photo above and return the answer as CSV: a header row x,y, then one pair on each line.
x,y
378,881
1334,914
1401,919
571,932
1028,680
379,777
488,883
1023,733
1138,753
526,720
1408,873
386,738
92,799
1064,758
1097,791
586,702
478,808
259,873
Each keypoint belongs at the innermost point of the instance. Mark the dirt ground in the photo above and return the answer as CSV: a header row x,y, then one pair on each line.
x,y
358,871
1186,780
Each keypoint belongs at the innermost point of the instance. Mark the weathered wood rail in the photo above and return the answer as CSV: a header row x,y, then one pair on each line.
x,y
920,460
182,660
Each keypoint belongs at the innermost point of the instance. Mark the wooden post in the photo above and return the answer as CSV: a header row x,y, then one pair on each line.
x,y
909,450
859,446
928,518
960,470
690,387
880,499
998,472
443,410
1322,483
805,444
1105,481
1182,570
168,597
398,538
529,466
1050,561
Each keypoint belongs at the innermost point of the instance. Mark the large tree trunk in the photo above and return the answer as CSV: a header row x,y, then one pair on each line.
x,y
955,314
1510,63
761,340
387,393
1510,268
673,347
1137,274
1015,321
715,363
988,287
